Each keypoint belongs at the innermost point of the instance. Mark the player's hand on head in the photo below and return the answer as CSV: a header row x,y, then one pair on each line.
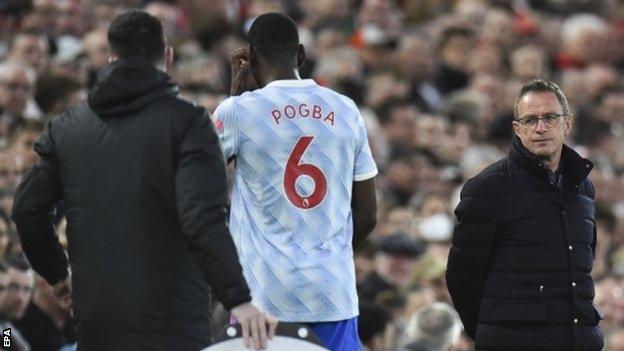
x,y
242,80
257,326
238,57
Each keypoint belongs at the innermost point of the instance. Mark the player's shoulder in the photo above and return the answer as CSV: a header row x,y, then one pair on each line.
x,y
240,100
347,101
226,108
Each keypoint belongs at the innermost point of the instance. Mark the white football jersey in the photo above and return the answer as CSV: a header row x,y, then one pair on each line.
x,y
298,148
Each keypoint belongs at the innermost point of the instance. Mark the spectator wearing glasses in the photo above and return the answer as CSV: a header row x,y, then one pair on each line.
x,y
519,269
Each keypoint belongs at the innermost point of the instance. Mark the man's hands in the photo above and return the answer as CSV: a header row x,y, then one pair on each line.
x,y
254,321
242,80
62,292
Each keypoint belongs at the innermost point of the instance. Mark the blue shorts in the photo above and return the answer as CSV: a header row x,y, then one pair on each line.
x,y
338,336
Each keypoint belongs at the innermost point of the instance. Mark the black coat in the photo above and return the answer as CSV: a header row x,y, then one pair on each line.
x,y
519,268
143,180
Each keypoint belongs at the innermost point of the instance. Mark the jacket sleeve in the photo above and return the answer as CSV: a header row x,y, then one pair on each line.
x,y
36,196
201,196
472,246
592,194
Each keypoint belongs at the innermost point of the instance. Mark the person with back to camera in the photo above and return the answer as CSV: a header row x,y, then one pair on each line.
x,y
143,181
303,192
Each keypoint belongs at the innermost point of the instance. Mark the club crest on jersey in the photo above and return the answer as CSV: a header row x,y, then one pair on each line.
x,y
218,123
303,111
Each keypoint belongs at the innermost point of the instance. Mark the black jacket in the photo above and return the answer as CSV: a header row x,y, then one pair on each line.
x,y
519,268
143,180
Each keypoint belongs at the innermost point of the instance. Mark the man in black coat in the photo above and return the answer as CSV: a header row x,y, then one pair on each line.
x,y
519,269
143,181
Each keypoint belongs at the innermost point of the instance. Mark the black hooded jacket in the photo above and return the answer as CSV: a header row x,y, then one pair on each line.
x,y
519,268
143,180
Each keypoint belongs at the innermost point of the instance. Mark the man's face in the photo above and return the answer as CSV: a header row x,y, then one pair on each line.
x,y
402,125
529,63
16,296
456,51
610,110
543,139
15,90
69,20
97,49
32,50
395,269
415,58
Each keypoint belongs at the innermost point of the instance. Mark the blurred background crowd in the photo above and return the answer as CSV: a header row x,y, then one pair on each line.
x,y
435,81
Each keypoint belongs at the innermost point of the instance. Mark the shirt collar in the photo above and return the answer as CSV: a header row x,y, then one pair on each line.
x,y
292,83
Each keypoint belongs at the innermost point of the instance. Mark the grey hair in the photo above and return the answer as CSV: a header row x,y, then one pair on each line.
x,y
436,324
575,25
539,86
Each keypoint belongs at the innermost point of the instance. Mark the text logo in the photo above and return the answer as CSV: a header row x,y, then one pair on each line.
x,y
6,338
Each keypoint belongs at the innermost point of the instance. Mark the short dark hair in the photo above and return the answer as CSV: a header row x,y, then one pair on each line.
x,y
454,31
17,261
51,88
275,37
541,86
137,34
372,321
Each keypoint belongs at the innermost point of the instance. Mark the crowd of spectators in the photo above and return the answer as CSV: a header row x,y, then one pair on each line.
x,y
435,81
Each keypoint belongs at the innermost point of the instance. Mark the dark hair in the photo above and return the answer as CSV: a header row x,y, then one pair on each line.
x,y
17,261
540,86
26,125
453,31
274,36
372,321
137,34
52,88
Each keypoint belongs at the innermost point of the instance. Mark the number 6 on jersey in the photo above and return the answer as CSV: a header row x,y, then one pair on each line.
x,y
294,170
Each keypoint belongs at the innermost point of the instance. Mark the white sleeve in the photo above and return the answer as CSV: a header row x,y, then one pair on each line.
x,y
226,125
365,167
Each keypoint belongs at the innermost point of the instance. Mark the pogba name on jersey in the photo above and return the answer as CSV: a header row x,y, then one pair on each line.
x,y
314,112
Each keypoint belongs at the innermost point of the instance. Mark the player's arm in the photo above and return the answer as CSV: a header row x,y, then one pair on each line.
x,y
241,78
36,196
226,126
364,198
364,210
472,247
201,199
